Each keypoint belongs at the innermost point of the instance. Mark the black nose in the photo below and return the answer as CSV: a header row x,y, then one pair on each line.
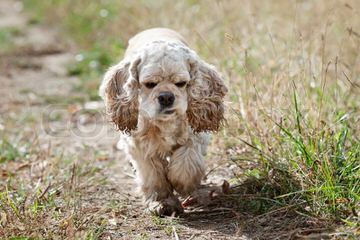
x,y
166,99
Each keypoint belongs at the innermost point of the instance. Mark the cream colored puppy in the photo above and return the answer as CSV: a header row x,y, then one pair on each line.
x,y
165,100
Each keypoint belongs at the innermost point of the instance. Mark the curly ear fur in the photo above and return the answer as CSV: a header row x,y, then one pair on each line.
x,y
206,92
119,90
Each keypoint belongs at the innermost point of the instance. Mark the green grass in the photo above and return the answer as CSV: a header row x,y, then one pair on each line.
x,y
49,208
87,29
89,67
7,36
8,151
325,163
293,73
165,224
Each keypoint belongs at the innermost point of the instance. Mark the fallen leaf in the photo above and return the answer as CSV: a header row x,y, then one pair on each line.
x,y
226,187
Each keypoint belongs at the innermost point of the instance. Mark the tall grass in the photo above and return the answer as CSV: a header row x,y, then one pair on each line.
x,y
324,161
293,70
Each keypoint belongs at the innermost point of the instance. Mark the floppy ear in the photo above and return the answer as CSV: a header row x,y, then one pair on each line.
x,y
206,92
119,89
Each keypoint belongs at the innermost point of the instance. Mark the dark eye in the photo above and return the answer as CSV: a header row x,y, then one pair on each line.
x,y
180,84
150,84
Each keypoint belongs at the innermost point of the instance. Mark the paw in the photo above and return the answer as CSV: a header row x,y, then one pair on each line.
x,y
166,207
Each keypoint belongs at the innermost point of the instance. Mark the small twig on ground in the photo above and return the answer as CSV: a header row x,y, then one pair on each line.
x,y
175,233
72,176
288,207
45,191
22,166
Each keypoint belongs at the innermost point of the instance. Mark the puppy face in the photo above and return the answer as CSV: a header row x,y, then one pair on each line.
x,y
163,78
163,81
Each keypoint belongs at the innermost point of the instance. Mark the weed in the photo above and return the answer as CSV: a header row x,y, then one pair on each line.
x,y
8,151
7,36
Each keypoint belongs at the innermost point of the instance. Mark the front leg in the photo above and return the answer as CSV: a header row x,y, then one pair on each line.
x,y
157,191
187,167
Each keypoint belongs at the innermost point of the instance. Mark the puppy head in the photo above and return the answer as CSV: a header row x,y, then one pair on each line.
x,y
163,82
163,79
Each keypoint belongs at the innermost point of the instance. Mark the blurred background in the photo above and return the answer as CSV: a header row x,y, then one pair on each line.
x,y
290,145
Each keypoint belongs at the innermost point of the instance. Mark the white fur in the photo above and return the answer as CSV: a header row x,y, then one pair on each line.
x,y
164,149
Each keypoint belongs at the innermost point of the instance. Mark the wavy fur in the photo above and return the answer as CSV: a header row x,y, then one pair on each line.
x,y
167,146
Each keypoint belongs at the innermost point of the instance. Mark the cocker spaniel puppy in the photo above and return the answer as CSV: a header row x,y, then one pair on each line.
x,y
165,100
